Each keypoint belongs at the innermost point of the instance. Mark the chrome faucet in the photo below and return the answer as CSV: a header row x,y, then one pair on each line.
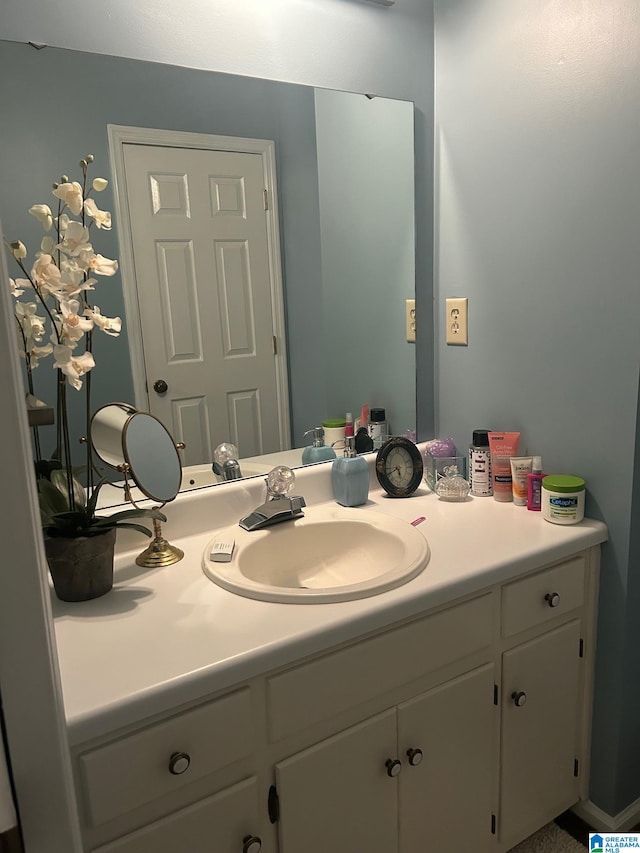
x,y
277,506
225,462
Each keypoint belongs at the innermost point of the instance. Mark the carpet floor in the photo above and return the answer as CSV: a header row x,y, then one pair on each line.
x,y
550,839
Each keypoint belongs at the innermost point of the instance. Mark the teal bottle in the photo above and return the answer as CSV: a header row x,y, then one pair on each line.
x,y
318,450
350,477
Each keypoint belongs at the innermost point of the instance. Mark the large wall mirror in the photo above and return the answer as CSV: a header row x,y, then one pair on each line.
x,y
344,179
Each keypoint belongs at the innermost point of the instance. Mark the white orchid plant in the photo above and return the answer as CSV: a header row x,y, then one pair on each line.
x,y
56,293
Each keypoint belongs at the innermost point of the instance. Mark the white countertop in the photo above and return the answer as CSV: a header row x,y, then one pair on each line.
x,y
166,637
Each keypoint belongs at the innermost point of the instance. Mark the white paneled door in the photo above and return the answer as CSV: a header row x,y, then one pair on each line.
x,y
203,268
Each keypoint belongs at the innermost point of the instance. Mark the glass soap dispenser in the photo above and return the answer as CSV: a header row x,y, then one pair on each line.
x,y
318,450
350,476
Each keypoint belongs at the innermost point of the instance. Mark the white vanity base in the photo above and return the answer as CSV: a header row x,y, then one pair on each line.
x,y
476,676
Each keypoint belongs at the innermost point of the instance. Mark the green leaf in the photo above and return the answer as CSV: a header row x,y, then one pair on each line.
x,y
52,501
59,480
93,500
131,513
138,527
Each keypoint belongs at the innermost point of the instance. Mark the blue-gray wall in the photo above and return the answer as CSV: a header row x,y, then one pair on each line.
x,y
538,217
366,180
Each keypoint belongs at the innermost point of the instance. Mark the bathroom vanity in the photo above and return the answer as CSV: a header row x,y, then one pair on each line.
x,y
452,712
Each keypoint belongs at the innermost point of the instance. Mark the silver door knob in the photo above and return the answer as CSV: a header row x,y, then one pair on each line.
x,y
415,757
552,599
179,763
519,698
160,386
251,844
393,766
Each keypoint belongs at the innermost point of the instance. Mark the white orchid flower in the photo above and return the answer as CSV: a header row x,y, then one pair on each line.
x,y
18,249
73,278
100,184
72,325
71,194
42,213
98,264
102,218
75,240
32,326
18,286
36,353
109,325
73,366
46,274
47,245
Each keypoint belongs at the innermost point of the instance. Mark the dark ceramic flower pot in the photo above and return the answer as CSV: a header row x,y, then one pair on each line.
x,y
82,567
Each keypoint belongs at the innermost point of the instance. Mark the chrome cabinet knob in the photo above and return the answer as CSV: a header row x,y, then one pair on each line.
x,y
552,599
251,844
179,763
415,756
160,386
393,767
519,698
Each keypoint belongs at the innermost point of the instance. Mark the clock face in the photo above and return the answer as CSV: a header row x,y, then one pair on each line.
x,y
399,467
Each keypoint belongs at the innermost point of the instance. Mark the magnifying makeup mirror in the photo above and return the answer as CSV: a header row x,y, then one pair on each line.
x,y
139,446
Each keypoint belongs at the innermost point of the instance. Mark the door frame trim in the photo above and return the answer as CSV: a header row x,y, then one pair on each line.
x,y
121,135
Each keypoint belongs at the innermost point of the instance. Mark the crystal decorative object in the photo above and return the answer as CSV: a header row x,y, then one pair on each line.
x,y
452,486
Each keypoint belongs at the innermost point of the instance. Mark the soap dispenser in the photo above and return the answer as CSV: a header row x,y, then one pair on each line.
x,y
318,451
350,476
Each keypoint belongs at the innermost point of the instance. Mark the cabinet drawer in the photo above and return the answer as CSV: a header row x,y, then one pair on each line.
x,y
339,681
218,823
541,597
134,770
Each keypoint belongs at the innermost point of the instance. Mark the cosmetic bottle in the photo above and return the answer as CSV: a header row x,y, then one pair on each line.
x,y
480,464
348,426
378,428
318,451
534,485
350,476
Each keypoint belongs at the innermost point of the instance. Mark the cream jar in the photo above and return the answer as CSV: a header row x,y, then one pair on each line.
x,y
563,498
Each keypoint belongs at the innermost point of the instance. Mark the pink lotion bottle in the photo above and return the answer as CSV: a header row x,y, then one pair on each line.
x,y
534,485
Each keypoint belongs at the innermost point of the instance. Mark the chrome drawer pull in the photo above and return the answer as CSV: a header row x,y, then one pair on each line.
x,y
251,844
552,599
519,698
415,756
393,767
179,763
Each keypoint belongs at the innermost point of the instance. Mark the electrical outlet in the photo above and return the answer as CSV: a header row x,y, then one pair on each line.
x,y
410,313
457,321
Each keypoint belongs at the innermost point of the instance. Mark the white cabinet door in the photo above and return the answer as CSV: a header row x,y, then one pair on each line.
x,y
540,715
223,823
337,796
447,789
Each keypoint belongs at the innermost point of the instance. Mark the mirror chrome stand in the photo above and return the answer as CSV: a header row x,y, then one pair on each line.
x,y
160,552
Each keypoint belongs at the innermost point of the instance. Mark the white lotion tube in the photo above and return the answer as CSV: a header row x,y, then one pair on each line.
x,y
521,467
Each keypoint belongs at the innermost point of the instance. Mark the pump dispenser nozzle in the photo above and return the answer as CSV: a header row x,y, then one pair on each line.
x,y
318,450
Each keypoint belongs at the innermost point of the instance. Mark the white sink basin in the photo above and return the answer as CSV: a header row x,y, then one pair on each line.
x,y
331,554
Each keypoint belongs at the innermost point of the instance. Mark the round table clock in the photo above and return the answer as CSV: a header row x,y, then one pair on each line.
x,y
399,467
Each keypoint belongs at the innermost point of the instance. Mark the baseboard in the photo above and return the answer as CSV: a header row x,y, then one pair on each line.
x,y
603,822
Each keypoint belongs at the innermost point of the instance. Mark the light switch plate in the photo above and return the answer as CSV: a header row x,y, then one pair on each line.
x,y
457,321
410,316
